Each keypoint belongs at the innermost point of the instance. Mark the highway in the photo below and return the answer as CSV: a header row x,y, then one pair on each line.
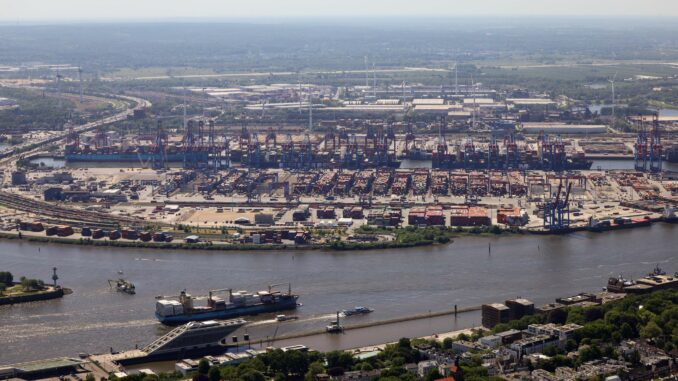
x,y
92,218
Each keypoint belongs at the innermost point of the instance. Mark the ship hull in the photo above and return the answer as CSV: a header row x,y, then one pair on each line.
x,y
287,304
126,157
577,165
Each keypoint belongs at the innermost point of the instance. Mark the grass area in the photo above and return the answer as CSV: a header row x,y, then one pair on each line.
x,y
414,236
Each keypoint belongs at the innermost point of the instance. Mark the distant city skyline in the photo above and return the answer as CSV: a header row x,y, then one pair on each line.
x,y
158,10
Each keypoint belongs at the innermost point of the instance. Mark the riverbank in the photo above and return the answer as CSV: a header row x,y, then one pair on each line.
x,y
49,293
400,238
394,283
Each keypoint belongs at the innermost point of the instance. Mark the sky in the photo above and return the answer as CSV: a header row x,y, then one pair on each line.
x,y
18,11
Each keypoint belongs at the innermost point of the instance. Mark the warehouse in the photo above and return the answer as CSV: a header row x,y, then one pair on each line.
x,y
562,128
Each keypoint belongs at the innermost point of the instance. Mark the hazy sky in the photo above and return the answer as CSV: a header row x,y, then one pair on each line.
x,y
93,10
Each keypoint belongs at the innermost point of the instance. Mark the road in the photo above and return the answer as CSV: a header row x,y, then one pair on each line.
x,y
33,206
15,154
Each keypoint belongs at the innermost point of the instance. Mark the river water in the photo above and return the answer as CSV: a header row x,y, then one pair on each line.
x,y
393,282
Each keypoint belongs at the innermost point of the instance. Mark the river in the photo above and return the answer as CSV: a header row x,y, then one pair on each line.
x,y
393,282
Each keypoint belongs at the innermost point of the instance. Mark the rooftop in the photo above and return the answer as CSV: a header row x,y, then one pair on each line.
x,y
497,306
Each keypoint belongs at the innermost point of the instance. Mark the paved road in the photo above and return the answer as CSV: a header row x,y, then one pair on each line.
x,y
8,162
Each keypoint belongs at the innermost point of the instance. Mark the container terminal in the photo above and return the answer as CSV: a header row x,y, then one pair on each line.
x,y
516,163
379,146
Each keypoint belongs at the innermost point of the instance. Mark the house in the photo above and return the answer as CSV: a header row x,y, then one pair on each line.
x,y
359,375
533,344
492,341
462,346
562,332
425,367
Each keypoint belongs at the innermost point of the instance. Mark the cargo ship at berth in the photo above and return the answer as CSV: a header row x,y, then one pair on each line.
x,y
181,309
130,154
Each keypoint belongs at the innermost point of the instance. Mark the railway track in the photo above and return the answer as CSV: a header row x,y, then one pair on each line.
x,y
61,214
67,215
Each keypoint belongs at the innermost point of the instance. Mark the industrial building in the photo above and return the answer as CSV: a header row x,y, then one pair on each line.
x,y
495,313
519,307
562,128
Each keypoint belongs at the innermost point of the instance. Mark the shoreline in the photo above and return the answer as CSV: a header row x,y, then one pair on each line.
x,y
330,247
49,294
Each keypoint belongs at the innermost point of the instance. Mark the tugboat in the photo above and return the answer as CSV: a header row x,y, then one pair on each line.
x,y
657,271
121,285
335,326
618,284
357,310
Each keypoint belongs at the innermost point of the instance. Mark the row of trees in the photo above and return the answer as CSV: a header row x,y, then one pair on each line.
x,y
27,284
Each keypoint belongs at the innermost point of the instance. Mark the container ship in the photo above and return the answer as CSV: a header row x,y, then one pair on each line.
x,y
527,160
180,310
73,153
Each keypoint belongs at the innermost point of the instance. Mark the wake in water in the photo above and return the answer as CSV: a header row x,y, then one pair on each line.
x,y
15,333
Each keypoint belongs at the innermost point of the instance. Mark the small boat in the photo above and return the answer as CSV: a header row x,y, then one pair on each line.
x,y
122,285
618,284
334,326
657,271
285,318
357,310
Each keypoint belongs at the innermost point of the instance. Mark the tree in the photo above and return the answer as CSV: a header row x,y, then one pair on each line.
x,y
650,330
588,353
447,343
29,284
90,377
203,366
3,287
252,375
339,359
6,277
297,363
314,369
433,375
366,367
214,374
627,331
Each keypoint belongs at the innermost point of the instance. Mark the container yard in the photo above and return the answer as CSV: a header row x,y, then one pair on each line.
x,y
279,206
252,184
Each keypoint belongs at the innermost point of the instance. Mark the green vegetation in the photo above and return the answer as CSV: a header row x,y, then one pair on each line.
x,y
30,285
653,316
6,277
36,112
413,236
25,285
